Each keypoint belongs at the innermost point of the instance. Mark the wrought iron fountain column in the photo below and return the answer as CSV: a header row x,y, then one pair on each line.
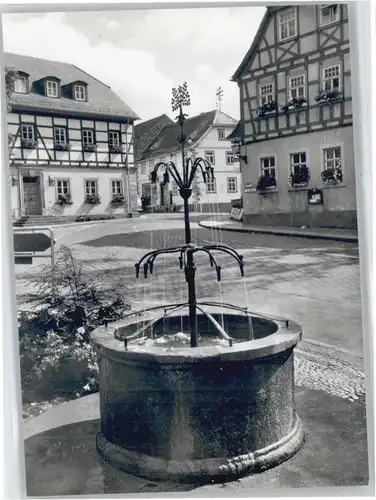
x,y
181,98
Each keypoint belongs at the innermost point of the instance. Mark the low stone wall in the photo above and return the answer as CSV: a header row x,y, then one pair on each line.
x,y
326,219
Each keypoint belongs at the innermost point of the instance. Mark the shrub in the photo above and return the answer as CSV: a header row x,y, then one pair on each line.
x,y
56,354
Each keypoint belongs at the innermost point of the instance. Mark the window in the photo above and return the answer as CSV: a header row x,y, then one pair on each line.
x,y
210,157
298,161
266,93
114,138
175,189
162,159
143,168
63,186
116,187
331,78
173,158
80,93
151,165
232,186
297,87
230,158
221,134
268,166
60,135
287,24
52,89
329,14
211,186
91,187
87,136
20,85
332,158
27,132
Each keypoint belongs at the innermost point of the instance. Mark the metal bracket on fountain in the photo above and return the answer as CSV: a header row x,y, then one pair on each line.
x,y
181,98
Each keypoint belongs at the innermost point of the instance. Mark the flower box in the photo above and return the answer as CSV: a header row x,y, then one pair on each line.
x,y
332,176
300,178
116,149
29,143
92,199
268,108
64,199
295,103
117,199
328,95
266,182
89,148
62,146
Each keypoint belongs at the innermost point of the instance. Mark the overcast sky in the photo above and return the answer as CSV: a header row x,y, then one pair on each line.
x,y
141,55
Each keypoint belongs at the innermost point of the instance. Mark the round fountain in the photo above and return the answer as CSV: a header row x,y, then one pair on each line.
x,y
199,390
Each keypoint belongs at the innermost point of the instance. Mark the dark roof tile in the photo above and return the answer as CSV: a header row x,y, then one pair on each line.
x,y
102,101
145,132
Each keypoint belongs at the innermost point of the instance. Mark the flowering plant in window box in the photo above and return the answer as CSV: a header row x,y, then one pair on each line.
x,y
267,108
296,102
90,148
62,146
266,182
117,198
29,143
64,199
92,199
332,176
116,148
300,177
328,95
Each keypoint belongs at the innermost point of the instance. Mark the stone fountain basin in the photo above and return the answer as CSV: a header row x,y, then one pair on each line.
x,y
209,413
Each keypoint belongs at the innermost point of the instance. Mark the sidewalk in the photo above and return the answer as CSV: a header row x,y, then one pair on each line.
x,y
349,235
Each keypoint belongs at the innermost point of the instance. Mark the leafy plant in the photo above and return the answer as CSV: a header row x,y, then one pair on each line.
x,y
116,148
117,198
62,146
268,107
294,103
89,148
332,176
29,143
64,199
92,199
67,305
299,176
266,182
328,95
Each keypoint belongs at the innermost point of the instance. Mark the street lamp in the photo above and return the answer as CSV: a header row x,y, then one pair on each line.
x,y
236,149
190,166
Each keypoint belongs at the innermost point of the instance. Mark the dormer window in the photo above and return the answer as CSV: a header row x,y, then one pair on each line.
x,y
79,93
52,88
20,84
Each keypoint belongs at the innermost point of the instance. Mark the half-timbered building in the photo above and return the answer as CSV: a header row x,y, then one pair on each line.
x,y
296,116
207,138
71,143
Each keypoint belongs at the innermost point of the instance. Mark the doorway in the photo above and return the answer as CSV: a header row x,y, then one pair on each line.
x,y
32,195
162,201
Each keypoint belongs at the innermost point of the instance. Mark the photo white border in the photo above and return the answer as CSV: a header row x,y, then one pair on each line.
x,y
362,16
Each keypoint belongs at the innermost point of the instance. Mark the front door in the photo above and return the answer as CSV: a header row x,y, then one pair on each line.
x,y
32,200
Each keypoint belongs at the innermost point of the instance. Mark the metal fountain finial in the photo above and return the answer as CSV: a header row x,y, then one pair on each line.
x,y
184,179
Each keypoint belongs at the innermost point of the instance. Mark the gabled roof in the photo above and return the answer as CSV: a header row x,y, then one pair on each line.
x,y
102,101
252,51
167,140
146,131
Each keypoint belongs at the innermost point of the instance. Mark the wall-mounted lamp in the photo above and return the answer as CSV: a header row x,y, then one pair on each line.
x,y
51,181
14,180
236,145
